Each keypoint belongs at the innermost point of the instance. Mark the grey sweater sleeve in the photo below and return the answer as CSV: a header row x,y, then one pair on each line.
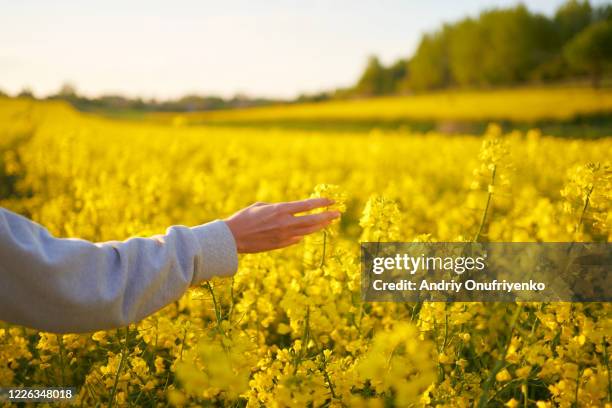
x,y
72,285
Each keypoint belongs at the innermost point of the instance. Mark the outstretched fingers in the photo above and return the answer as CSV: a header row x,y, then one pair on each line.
x,y
294,207
314,219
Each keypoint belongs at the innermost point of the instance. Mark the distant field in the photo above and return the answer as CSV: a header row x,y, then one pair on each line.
x,y
525,105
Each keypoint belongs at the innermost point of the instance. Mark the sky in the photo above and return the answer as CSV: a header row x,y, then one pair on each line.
x,y
166,49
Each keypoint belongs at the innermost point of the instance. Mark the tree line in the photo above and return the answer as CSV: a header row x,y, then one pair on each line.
x,y
187,103
501,47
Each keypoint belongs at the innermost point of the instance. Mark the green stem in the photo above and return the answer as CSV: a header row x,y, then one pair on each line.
x,y
60,342
183,345
216,305
120,368
326,376
445,328
584,209
500,363
305,339
578,378
486,209
503,388
416,310
605,347
233,299
324,248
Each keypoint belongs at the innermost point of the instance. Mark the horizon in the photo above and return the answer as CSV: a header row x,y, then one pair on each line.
x,y
276,50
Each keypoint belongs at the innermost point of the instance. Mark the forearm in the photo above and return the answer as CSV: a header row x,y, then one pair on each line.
x,y
66,285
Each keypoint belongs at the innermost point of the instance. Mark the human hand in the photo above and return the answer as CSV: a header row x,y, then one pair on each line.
x,y
262,227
